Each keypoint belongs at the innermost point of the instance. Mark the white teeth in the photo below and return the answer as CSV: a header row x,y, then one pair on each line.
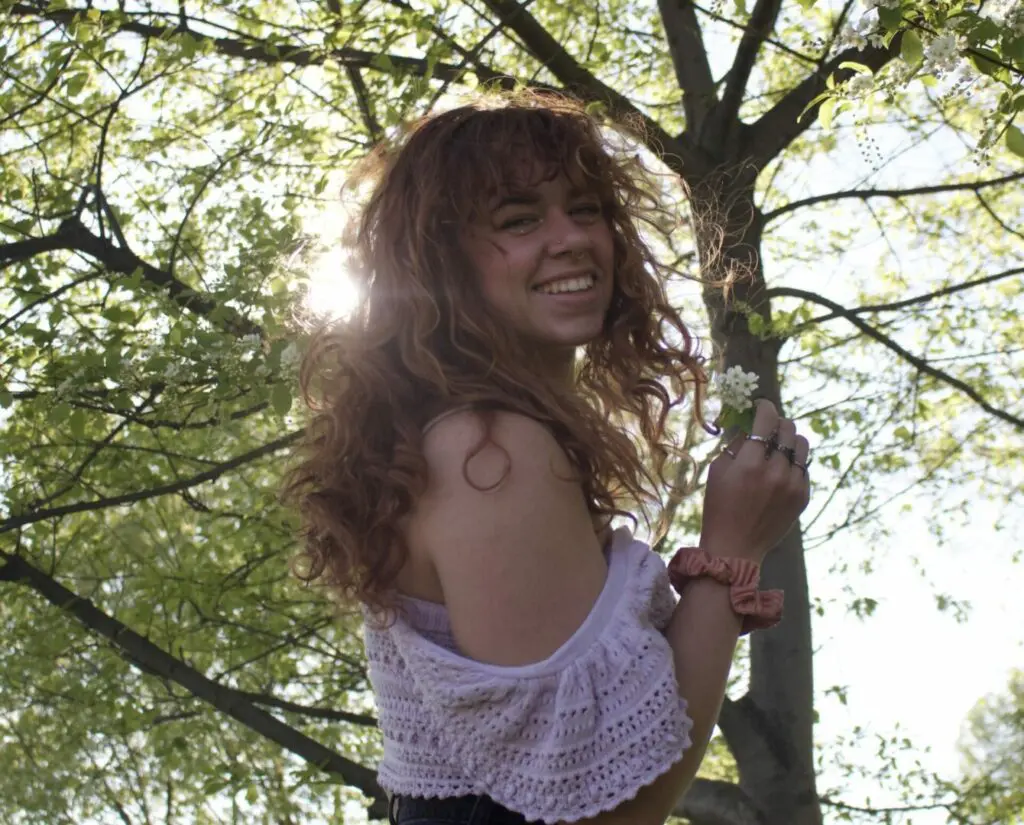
x,y
568,285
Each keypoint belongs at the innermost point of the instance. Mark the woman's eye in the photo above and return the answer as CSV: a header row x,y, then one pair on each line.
x,y
587,209
519,222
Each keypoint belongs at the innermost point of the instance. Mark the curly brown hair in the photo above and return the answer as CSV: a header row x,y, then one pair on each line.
x,y
423,339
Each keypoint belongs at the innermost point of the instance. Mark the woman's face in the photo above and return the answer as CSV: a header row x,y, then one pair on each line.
x,y
544,259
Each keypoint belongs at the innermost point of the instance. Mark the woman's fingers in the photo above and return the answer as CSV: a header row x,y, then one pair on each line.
x,y
766,419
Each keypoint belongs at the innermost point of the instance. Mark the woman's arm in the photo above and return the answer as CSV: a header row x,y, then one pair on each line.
x,y
703,633
703,629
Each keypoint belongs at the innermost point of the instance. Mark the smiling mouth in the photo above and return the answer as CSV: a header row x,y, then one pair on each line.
x,y
583,283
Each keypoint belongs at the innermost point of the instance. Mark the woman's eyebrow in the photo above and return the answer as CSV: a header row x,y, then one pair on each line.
x,y
515,199
528,198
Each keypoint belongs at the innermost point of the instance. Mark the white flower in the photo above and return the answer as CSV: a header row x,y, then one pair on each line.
x,y
860,84
1008,13
943,54
867,29
736,387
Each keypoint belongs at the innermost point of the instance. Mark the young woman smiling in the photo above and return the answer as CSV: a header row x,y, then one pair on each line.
x,y
498,398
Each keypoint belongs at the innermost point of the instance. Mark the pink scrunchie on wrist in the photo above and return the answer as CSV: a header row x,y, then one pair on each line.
x,y
760,609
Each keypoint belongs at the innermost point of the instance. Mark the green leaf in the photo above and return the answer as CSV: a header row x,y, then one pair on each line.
x,y
1015,50
911,48
382,62
76,423
806,5
903,433
987,61
281,398
1015,140
743,421
813,103
891,19
741,6
6,399
860,68
76,83
827,112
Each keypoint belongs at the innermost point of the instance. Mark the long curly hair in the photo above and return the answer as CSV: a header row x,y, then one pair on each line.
x,y
423,339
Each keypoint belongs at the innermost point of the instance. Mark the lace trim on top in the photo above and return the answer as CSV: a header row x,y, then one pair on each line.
x,y
558,740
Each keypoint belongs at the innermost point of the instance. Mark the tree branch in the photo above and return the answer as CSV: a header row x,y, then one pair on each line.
x,y
306,710
678,154
690,60
777,128
365,105
762,21
917,299
919,363
282,52
146,656
713,802
778,44
218,470
74,236
895,194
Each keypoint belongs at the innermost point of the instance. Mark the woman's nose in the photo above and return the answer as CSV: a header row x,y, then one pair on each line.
x,y
565,234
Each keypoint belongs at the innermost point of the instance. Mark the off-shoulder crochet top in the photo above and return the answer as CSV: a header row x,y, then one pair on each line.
x,y
558,740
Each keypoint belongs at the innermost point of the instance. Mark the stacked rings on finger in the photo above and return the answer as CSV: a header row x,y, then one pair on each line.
x,y
771,445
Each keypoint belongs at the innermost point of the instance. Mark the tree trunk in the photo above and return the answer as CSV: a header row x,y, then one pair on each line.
x,y
769,730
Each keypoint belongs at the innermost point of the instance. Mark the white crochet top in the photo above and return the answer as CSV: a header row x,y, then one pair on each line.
x,y
558,740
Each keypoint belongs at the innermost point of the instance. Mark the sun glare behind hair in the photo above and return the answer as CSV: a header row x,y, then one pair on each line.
x,y
330,291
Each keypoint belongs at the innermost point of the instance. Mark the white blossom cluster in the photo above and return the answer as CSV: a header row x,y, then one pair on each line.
x,y
943,54
1006,13
860,85
735,388
866,29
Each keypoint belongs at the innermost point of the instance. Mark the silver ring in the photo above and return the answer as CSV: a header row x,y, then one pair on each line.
x,y
727,451
771,443
789,452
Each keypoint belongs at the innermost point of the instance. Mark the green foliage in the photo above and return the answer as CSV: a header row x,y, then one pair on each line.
x,y
946,39
992,749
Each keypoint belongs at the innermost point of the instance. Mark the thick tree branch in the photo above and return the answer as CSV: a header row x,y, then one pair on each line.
x,y
771,41
74,236
762,21
678,154
330,714
712,802
895,194
690,60
214,472
782,124
146,656
917,299
373,126
915,361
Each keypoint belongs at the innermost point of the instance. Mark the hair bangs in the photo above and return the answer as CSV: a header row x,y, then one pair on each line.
x,y
513,149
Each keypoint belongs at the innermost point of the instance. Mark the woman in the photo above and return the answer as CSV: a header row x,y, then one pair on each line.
x,y
501,394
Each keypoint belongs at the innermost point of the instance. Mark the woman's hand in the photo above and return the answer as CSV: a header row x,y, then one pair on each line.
x,y
751,500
